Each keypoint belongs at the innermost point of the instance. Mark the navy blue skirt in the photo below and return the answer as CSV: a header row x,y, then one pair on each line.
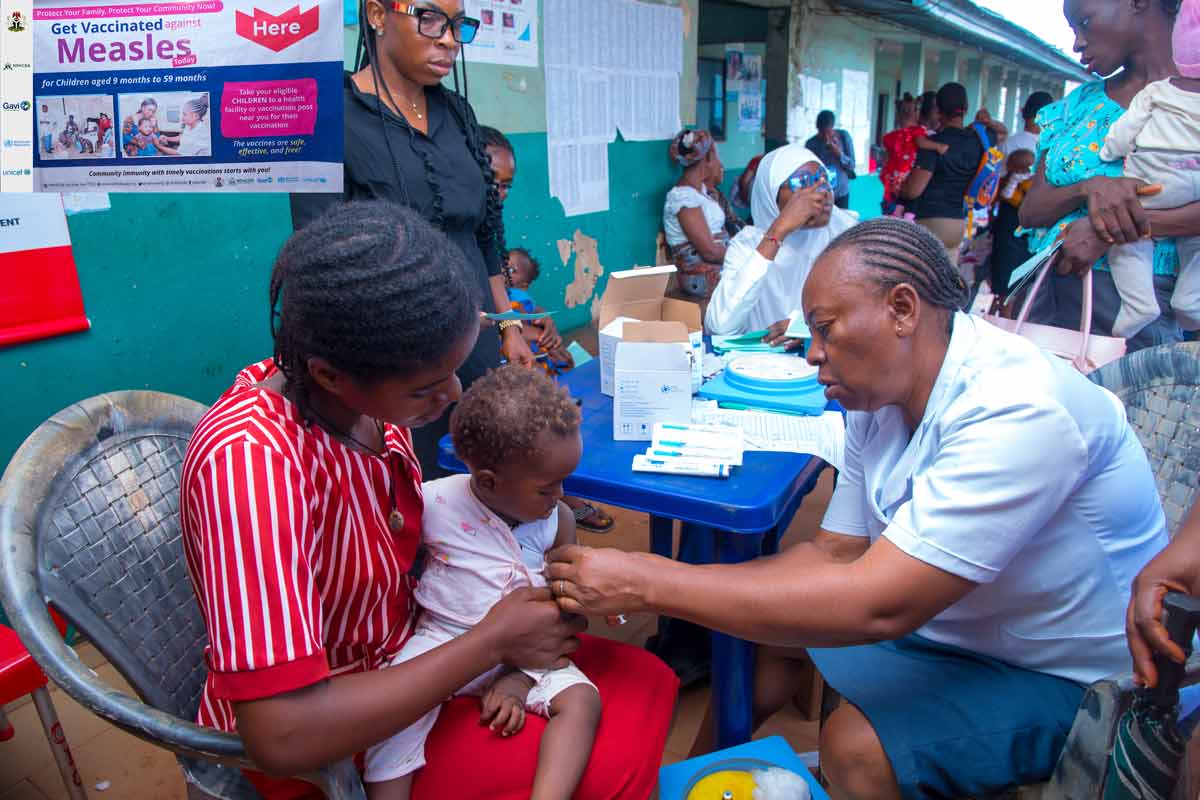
x,y
954,723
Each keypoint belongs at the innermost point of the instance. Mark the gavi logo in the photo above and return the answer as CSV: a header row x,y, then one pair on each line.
x,y
277,32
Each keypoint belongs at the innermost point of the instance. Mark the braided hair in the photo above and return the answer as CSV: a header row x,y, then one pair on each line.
x,y
898,251
496,139
490,234
371,288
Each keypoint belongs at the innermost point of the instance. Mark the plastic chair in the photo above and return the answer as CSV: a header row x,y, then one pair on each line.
x,y
1160,388
89,520
20,676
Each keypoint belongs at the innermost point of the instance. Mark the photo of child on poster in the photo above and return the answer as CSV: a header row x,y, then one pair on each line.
x,y
166,124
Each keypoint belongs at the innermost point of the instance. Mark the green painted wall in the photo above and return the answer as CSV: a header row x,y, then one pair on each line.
x,y
176,289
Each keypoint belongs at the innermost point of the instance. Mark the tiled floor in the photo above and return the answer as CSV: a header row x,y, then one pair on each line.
x,y
128,768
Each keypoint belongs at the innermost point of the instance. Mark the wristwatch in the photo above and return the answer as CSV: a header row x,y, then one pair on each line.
x,y
510,323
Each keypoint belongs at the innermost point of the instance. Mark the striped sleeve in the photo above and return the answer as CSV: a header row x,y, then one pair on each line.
x,y
253,538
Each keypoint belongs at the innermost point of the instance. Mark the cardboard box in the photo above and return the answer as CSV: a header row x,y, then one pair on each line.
x,y
635,296
653,383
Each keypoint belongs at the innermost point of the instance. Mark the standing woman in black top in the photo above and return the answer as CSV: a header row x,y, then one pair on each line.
x,y
412,141
938,183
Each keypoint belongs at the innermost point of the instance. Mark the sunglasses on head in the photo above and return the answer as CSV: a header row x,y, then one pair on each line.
x,y
432,23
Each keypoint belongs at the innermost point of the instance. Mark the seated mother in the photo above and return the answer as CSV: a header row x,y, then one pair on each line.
x,y
767,263
301,508
696,216
968,579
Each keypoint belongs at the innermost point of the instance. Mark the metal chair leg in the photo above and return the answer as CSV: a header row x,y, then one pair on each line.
x,y
58,744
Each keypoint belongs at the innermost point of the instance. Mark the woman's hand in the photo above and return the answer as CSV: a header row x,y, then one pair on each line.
x,y
1114,209
549,339
601,581
1176,569
504,703
514,347
775,336
803,210
1081,249
529,631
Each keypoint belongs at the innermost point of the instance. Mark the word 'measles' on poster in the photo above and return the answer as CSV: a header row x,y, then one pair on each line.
x,y
198,96
16,93
41,296
610,65
508,32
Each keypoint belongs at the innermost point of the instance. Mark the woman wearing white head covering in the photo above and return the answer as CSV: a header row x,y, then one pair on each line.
x,y
767,263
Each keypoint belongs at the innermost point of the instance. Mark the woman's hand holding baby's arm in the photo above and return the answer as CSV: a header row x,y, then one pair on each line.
x,y
527,630
504,703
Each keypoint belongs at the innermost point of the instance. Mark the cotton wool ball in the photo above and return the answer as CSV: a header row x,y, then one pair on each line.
x,y
779,784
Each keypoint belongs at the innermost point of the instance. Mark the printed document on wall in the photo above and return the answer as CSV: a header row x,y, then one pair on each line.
x,y
856,110
201,96
610,65
508,32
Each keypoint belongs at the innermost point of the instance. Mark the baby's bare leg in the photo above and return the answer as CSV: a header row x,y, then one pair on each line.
x,y
396,789
566,743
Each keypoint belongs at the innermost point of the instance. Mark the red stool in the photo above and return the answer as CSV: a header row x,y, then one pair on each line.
x,y
19,676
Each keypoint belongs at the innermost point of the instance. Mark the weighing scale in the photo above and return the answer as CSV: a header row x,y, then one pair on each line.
x,y
770,381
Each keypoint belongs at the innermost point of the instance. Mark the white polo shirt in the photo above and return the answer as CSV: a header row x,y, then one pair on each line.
x,y
1024,478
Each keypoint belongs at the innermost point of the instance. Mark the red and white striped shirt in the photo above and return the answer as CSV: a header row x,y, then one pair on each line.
x,y
285,531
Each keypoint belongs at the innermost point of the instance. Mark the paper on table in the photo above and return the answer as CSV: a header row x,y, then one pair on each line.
x,y
579,354
518,315
822,436
797,327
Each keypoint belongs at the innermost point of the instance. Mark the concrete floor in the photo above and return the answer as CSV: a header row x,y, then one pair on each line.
x,y
128,768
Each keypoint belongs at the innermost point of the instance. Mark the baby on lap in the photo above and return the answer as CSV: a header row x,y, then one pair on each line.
x,y
487,534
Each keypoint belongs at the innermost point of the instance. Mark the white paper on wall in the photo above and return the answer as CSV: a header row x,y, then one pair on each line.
x,y
610,65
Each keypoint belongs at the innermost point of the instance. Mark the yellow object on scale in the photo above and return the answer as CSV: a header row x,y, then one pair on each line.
x,y
729,784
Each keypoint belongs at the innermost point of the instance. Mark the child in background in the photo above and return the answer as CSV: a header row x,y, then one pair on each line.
x,y
901,146
142,142
1159,138
487,534
1018,178
523,269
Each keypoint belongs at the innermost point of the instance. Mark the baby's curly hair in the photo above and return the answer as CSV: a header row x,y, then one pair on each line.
x,y
501,416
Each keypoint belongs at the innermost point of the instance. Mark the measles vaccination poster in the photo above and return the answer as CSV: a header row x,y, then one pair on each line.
x,y
202,96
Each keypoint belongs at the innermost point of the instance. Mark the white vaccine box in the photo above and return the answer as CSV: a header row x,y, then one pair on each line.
x,y
652,383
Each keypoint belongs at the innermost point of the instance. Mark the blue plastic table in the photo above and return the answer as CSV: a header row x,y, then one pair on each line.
x,y
744,512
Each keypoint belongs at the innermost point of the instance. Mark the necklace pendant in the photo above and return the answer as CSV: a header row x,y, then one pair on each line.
x,y
395,521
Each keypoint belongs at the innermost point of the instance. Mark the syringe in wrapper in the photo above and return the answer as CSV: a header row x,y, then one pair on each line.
x,y
681,466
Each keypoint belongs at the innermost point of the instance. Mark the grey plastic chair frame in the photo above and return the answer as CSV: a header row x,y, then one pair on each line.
x,y
63,463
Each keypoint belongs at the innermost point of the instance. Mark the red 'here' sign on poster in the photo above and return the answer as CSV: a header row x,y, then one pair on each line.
x,y
278,32
39,288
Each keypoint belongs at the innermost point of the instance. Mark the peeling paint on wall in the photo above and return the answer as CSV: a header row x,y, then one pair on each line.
x,y
588,268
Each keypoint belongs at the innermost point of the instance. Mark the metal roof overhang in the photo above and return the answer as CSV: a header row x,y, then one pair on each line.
x,y
964,22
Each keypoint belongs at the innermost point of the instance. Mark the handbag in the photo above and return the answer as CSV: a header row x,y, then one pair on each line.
x,y
1085,350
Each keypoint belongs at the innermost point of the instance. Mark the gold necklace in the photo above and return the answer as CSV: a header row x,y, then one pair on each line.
x,y
395,519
